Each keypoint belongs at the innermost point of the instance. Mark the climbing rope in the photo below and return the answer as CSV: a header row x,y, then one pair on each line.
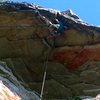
x,y
45,73
45,21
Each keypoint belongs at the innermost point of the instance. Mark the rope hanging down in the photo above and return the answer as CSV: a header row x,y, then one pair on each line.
x,y
45,72
45,21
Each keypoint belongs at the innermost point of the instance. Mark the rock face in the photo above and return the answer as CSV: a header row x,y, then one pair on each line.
x,y
28,40
10,87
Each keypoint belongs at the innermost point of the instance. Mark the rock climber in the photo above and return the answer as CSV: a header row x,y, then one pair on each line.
x,y
58,28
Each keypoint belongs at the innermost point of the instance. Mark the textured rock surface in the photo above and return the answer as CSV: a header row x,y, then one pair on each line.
x,y
10,87
74,55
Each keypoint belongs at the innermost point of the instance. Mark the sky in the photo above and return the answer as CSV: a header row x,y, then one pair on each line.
x,y
87,10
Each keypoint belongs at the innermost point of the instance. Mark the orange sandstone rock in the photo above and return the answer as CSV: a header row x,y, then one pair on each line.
x,y
73,57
